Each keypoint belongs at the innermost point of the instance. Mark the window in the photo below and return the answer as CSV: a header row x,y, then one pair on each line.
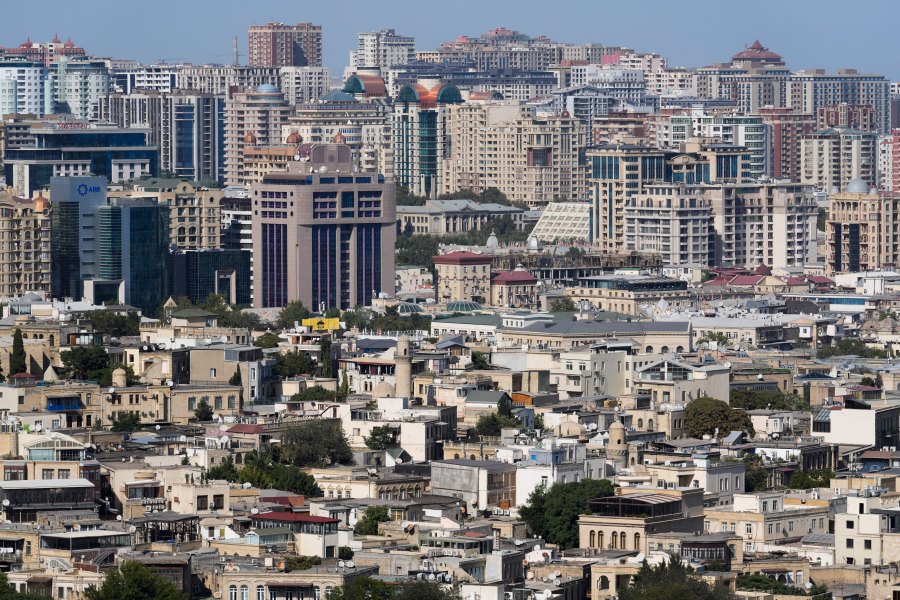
x,y
748,528
849,542
765,506
232,592
202,502
850,525
46,473
213,373
867,544
63,474
770,529
245,593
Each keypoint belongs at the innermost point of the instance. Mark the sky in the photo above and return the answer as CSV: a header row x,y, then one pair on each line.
x,y
688,32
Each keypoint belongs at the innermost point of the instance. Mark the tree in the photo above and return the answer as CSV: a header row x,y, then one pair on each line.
x,y
492,424
756,477
706,416
345,553
418,589
8,591
871,381
204,411
713,336
263,469
18,361
851,347
344,390
504,406
805,480
224,470
552,513
564,304
315,443
762,399
294,363
85,362
480,362
758,582
671,581
241,319
134,581
128,421
267,340
374,515
315,393
326,367
301,563
363,588
539,421
236,378
114,325
294,312
379,438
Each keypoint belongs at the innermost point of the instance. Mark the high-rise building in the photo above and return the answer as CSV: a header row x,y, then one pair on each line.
x,y
195,274
281,45
378,50
787,128
78,85
324,234
24,88
419,136
251,118
73,232
158,78
504,146
132,250
852,116
223,79
813,89
862,232
755,78
834,156
46,53
188,127
673,221
24,245
67,148
772,224
620,170
304,84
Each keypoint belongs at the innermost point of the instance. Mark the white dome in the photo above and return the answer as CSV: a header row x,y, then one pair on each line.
x,y
857,186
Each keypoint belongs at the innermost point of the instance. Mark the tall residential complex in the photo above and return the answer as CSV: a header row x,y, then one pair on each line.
x,y
303,84
620,170
673,221
281,45
251,118
25,259
24,87
78,85
419,136
832,157
813,89
503,145
853,116
786,130
324,234
863,230
46,53
222,79
378,50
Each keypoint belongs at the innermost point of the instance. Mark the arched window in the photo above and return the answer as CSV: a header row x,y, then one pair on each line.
x,y
600,540
650,424
593,538
327,591
260,593
603,584
640,423
664,349
649,350
614,539
679,349
232,592
245,592
637,541
623,541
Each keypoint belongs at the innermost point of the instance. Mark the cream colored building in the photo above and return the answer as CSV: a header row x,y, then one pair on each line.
x,y
455,217
672,221
628,294
251,118
675,381
195,213
463,276
833,157
862,230
24,245
502,145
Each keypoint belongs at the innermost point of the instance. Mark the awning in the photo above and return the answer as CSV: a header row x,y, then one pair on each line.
x,y
40,579
289,584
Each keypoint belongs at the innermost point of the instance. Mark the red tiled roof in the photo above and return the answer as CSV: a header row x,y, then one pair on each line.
x,y
882,454
746,279
246,428
819,279
513,277
462,257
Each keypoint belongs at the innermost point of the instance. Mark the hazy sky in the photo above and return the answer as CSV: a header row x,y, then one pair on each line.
x,y
808,33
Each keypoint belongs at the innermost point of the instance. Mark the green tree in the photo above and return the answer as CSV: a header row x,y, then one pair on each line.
x,y
241,319
871,381
671,581
374,515
134,581
821,218
293,363
714,336
504,406
235,379
8,591
379,438
128,421
539,421
85,362
263,469
552,514
267,340
805,480
316,443
492,424
758,582
18,361
418,250
315,393
705,415
363,588
301,563
480,362
756,477
294,312
771,399
344,390
224,470
851,347
109,323
407,198
326,367
564,304
204,411
345,553
425,590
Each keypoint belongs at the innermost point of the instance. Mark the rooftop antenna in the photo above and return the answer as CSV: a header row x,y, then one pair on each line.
x,y
235,53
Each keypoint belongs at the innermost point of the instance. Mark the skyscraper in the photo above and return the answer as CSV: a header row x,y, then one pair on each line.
x,y
73,232
281,45
325,235
378,50
251,118
24,245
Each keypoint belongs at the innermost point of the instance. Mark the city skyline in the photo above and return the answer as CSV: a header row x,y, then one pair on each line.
x,y
724,31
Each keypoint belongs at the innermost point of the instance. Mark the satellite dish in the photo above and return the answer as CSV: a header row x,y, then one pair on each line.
x,y
157,427
6,502
132,528
350,564
431,577
640,557
118,517
341,564
537,547
76,527
547,594
254,511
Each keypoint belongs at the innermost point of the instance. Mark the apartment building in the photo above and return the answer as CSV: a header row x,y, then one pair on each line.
x,y
463,276
672,221
25,260
813,89
251,118
531,160
787,127
628,294
861,232
832,157
304,84
282,45
379,50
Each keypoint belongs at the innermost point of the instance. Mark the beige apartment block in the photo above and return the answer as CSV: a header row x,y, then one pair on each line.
x,y
24,245
862,230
